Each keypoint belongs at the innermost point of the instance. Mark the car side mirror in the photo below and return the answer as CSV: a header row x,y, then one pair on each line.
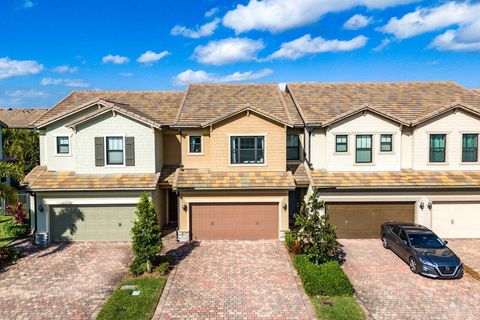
x,y
445,241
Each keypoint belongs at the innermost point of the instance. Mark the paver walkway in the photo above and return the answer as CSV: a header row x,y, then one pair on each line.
x,y
62,281
389,290
234,280
468,250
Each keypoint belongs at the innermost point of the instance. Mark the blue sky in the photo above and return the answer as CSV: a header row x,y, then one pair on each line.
x,y
51,47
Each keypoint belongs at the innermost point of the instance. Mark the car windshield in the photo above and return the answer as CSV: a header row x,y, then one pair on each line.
x,y
425,240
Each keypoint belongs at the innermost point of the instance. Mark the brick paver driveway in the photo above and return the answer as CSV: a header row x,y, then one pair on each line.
x,y
389,290
234,280
468,250
68,281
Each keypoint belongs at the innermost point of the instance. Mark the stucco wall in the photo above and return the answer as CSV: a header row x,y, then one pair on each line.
x,y
172,147
196,160
453,124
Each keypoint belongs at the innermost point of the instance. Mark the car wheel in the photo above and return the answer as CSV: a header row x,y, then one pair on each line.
x,y
413,265
385,243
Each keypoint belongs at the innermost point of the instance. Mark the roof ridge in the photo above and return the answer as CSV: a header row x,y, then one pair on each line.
x,y
377,82
234,84
140,91
179,112
284,105
297,105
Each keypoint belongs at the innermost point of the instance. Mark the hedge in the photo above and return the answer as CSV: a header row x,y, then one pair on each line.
x,y
326,279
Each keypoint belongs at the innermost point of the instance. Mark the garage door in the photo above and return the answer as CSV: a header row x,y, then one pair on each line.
x,y
363,220
456,219
91,223
234,221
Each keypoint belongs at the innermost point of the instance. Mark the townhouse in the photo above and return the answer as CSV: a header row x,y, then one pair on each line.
x,y
234,161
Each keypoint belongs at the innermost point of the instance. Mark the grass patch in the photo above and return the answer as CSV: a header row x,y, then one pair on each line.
x,y
4,239
122,305
343,308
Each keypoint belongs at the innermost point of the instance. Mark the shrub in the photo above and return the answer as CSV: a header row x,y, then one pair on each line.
x,y
7,256
137,268
15,230
17,212
163,268
318,238
327,279
146,235
290,240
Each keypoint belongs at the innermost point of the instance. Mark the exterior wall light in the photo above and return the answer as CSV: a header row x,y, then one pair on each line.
x,y
185,207
41,208
430,205
284,205
422,205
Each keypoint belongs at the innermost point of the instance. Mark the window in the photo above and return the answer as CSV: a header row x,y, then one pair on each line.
x,y
293,147
437,147
247,150
470,147
63,145
114,150
341,143
195,144
364,149
386,143
403,236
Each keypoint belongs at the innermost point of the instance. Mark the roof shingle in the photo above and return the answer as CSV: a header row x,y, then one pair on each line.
x,y
20,117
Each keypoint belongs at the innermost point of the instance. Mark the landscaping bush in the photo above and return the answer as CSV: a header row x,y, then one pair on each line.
x,y
17,212
163,268
7,256
327,279
317,237
13,229
146,237
290,240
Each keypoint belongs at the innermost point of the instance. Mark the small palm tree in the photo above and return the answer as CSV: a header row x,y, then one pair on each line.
x,y
13,171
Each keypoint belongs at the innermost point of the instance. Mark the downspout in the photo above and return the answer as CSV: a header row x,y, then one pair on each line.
x,y
35,214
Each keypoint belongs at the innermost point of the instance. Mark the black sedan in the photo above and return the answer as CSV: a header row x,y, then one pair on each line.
x,y
422,249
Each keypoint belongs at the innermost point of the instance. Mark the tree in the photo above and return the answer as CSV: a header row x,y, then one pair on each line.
x,y
146,236
317,237
9,170
23,145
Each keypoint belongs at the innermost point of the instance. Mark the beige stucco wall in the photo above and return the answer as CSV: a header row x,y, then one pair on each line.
x,y
172,153
159,199
258,196
453,124
196,160
251,124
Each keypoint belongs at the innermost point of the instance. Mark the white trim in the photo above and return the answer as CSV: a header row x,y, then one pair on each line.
x,y
201,153
88,201
124,164
230,135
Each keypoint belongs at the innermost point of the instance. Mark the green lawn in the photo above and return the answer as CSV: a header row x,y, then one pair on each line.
x,y
344,308
122,305
4,240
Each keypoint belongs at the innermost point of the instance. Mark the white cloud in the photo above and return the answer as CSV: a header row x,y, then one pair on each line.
x,y
78,83
115,59
19,96
306,45
211,12
357,21
189,76
228,50
28,4
203,31
424,20
150,57
280,15
13,68
65,69
126,74
384,44
463,39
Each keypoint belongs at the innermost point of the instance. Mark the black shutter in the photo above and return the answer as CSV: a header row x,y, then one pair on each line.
x,y
99,152
130,151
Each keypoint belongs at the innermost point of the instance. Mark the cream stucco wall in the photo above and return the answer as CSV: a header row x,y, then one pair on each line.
x,y
323,144
172,152
453,124
280,197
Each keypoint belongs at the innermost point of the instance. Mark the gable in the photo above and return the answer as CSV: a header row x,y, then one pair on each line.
x,y
364,122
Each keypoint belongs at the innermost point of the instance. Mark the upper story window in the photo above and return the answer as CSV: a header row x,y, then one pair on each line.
x,y
195,144
386,143
363,152
114,150
470,147
437,147
63,145
341,143
247,150
293,147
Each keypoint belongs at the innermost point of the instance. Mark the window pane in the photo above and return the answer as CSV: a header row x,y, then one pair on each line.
x,y
195,144
247,156
364,149
364,156
293,147
293,140
63,149
341,143
437,147
470,148
63,146
386,142
115,157
114,150
62,140
247,150
115,143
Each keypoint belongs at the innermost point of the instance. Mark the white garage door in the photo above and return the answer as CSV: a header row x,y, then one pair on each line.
x,y
456,219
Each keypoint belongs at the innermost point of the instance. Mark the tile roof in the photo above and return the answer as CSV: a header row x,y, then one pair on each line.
x,y
167,175
409,101
21,117
39,179
158,106
202,179
292,109
300,173
396,179
207,102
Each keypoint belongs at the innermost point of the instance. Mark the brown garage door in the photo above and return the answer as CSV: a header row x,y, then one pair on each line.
x,y
363,220
234,221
